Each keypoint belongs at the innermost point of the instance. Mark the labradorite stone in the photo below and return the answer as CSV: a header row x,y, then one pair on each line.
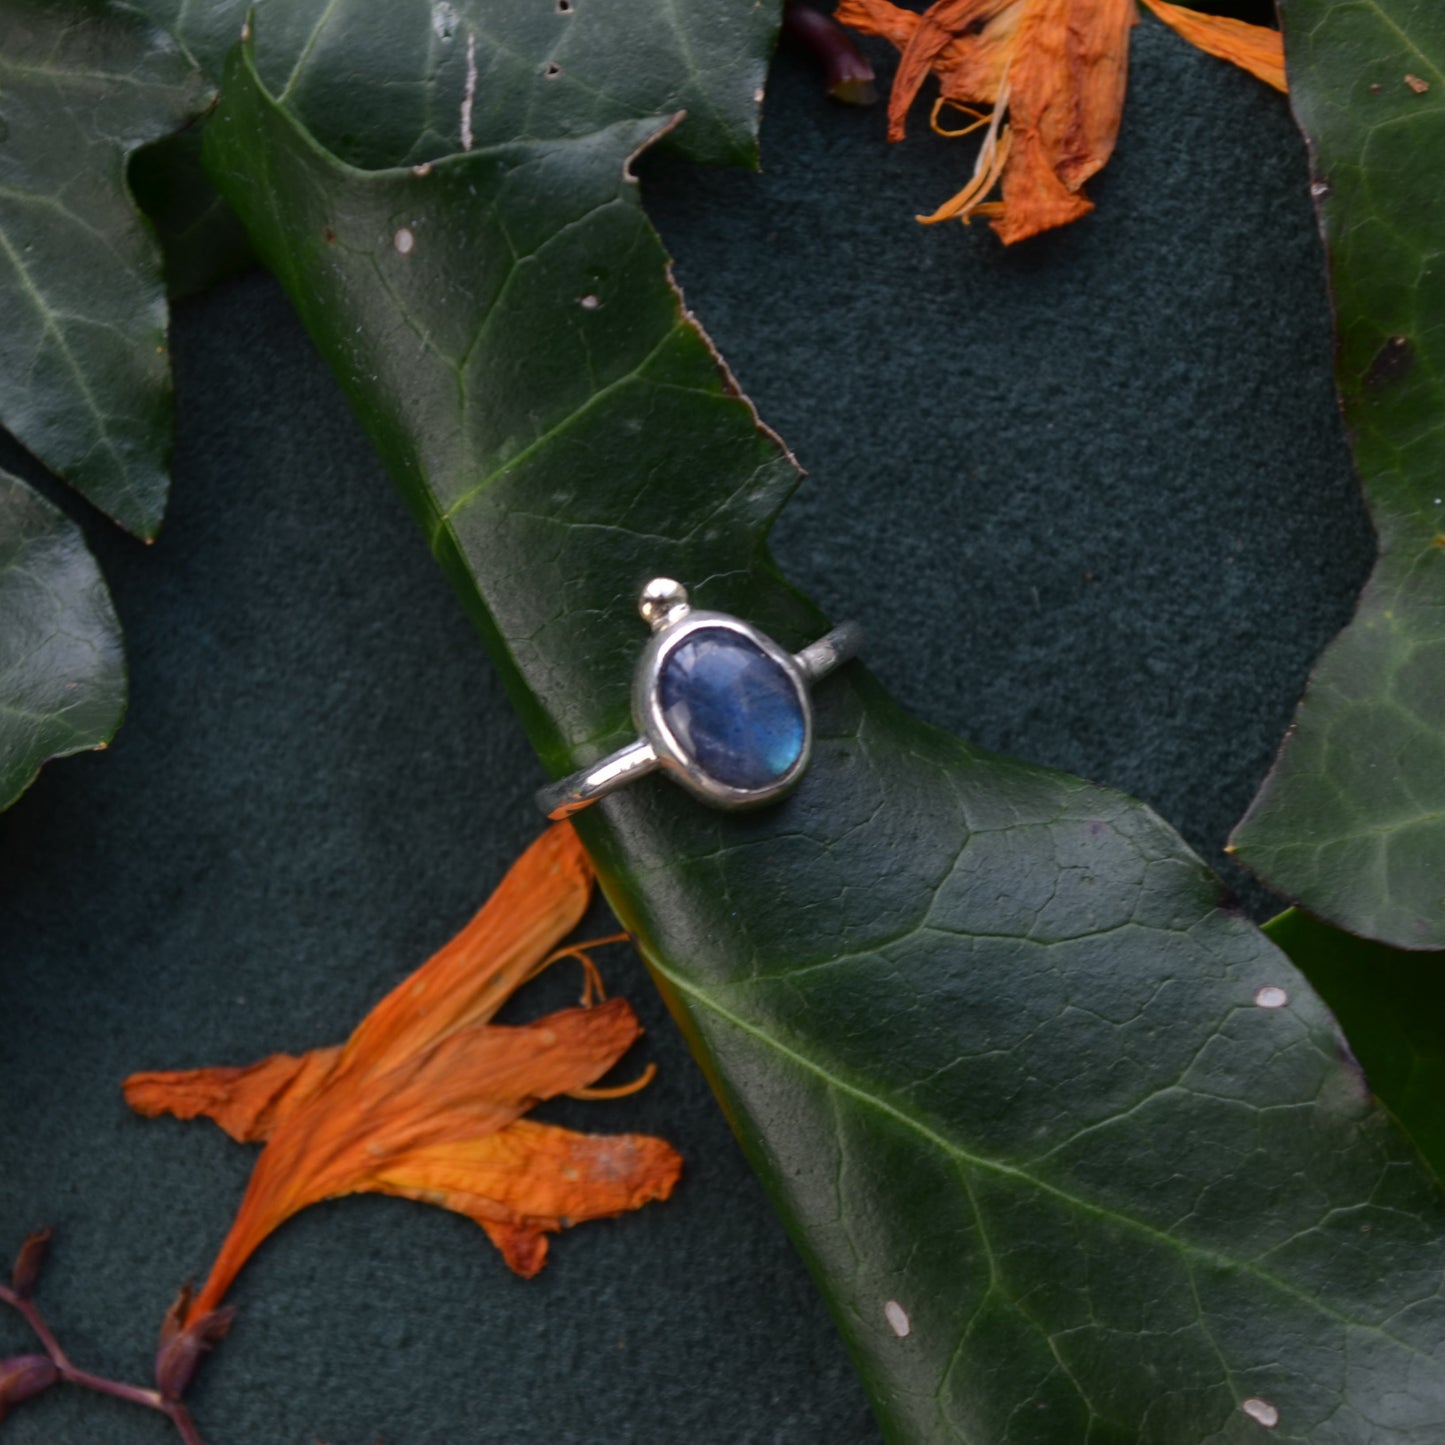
x,y
732,709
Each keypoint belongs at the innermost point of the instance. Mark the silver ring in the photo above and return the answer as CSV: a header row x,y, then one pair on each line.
x,y
722,709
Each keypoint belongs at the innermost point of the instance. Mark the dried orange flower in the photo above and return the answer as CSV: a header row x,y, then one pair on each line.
x,y
1044,81
425,1099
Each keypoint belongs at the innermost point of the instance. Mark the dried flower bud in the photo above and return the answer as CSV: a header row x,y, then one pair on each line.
x,y
176,1315
22,1376
179,1354
847,72
26,1273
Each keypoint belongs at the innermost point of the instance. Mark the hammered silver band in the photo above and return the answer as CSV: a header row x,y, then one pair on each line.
x,y
664,606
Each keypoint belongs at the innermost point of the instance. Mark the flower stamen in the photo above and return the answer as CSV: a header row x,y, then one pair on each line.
x,y
980,117
593,991
993,156
617,1091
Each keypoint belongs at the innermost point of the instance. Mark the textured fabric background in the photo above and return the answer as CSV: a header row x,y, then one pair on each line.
x,y
1092,501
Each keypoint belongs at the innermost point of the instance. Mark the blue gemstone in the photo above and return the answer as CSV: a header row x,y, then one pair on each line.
x,y
732,708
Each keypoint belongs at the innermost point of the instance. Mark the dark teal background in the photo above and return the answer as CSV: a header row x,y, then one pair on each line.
x,y
1090,498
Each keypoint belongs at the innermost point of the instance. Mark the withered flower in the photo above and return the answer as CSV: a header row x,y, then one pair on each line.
x,y
425,1099
1044,81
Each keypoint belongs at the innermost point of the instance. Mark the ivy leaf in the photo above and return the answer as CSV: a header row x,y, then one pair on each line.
x,y
380,84
201,238
1000,1056
1391,1005
62,668
1351,821
416,81
85,378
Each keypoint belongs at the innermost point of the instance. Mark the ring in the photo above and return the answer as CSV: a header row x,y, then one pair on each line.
x,y
722,709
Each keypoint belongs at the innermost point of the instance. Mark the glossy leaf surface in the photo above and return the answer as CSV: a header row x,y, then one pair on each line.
x,y
412,81
1391,1005
85,377
62,668
1351,822
984,1029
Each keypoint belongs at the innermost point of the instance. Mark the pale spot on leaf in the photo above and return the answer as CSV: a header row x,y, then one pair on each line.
x,y
897,1318
1262,1411
1271,997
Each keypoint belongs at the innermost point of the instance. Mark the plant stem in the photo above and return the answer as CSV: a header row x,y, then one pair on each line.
x,y
847,73
176,1412
185,1426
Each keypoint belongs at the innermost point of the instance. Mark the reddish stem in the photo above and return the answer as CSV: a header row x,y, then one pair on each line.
x,y
847,74
176,1412
185,1426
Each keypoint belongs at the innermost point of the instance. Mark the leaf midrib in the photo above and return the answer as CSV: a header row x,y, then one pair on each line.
x,y
1188,1249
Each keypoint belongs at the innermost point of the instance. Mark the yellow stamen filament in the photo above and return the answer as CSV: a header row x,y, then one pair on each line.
x,y
980,118
618,1091
992,158
592,989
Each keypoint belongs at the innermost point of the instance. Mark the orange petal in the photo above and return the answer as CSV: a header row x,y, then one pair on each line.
x,y
878,17
940,28
530,1180
976,71
246,1102
1066,96
472,1083
970,70
539,902
1255,48
1035,199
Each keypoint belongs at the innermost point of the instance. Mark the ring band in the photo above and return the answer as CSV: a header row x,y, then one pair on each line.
x,y
722,709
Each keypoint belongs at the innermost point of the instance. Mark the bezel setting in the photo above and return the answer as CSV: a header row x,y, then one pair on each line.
x,y
666,608
672,756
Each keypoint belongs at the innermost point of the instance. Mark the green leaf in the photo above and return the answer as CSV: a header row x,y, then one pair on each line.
x,y
984,1029
200,235
414,81
1351,821
383,84
1391,1005
85,379
62,666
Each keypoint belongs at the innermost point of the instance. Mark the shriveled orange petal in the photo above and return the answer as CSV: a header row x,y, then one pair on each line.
x,y
1255,48
944,26
878,17
246,1102
530,1180
249,1101
425,1097
538,903
1066,97
978,71
470,1084
1034,198
970,69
